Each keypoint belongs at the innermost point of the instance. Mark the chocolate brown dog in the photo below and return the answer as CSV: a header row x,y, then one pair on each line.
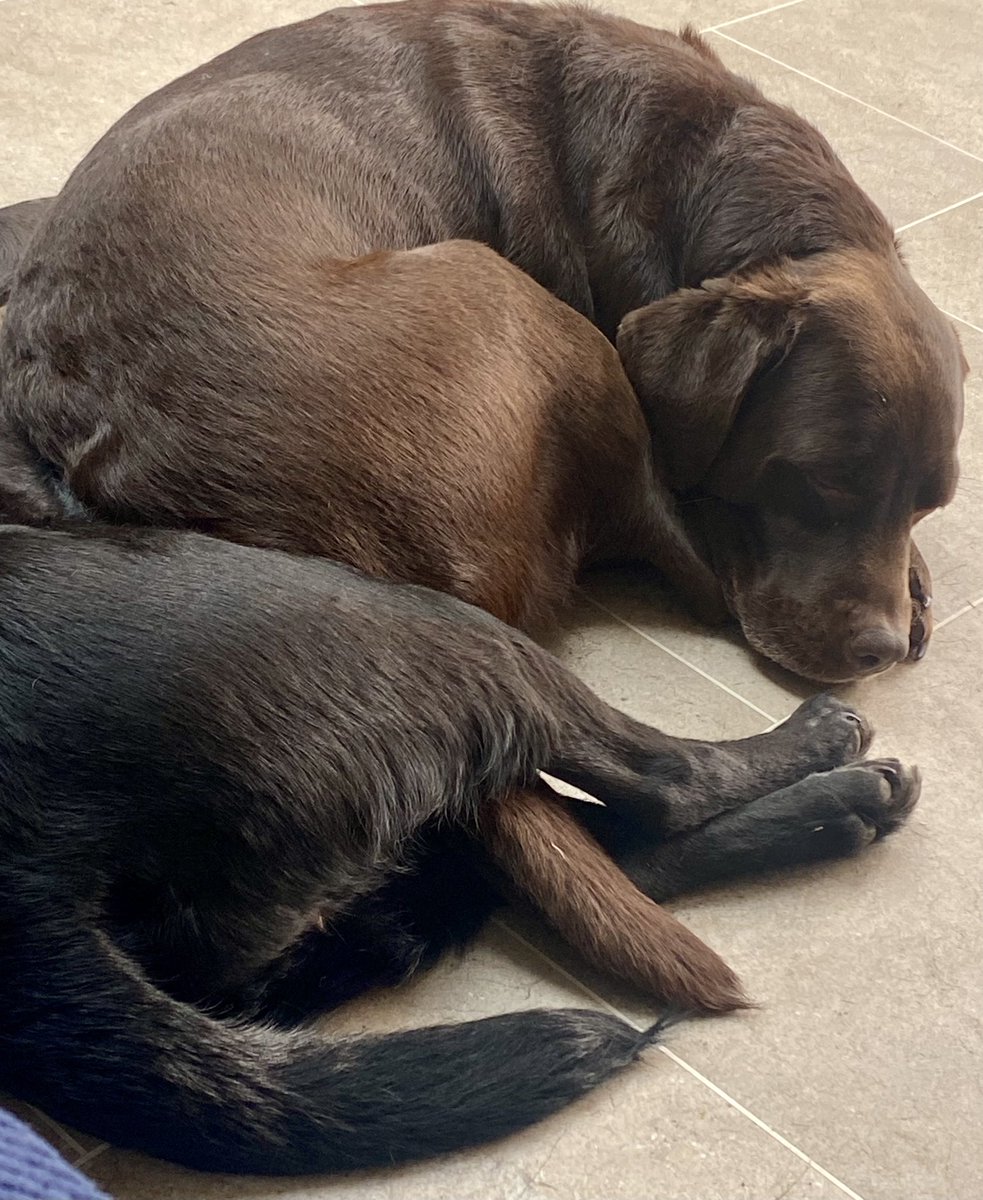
x,y
239,786
216,324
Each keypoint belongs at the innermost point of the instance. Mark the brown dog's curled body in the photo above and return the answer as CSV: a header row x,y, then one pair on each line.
x,y
222,255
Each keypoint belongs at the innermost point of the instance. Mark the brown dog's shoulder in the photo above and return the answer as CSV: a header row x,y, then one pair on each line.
x,y
696,41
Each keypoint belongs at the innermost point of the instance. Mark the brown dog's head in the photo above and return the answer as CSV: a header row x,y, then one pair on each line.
x,y
810,412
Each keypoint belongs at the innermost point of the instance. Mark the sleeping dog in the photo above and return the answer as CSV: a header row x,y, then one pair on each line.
x,y
218,324
241,786
215,274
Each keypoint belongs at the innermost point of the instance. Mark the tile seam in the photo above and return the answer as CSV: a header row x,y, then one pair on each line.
x,y
849,96
702,1079
650,638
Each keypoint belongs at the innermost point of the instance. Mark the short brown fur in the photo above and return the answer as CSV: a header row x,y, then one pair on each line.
x,y
623,933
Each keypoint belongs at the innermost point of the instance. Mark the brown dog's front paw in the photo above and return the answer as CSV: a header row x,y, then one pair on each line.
x,y
920,589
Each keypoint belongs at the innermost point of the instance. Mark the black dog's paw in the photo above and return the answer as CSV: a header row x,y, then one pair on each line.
x,y
844,811
881,794
829,732
831,815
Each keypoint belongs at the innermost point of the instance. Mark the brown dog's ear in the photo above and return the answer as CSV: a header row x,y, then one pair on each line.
x,y
692,357
17,223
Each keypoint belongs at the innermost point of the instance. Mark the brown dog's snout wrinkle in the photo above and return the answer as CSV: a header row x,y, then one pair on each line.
x,y
876,649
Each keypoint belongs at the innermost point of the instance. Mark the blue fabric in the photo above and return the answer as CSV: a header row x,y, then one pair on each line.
x,y
30,1169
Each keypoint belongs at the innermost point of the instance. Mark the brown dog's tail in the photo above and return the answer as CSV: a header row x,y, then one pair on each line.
x,y
583,893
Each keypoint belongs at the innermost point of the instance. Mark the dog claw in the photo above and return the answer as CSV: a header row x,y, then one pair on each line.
x,y
919,592
918,637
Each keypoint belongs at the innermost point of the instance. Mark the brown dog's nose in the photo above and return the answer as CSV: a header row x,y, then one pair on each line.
x,y
876,649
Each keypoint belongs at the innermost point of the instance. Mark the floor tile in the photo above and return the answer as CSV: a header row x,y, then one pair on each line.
x,y
945,256
866,1050
720,654
646,681
952,541
656,1131
919,62
907,173
67,71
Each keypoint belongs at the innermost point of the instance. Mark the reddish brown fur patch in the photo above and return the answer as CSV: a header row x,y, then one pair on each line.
x,y
598,910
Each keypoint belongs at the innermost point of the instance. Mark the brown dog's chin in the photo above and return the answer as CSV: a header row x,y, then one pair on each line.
x,y
780,656
813,670
760,619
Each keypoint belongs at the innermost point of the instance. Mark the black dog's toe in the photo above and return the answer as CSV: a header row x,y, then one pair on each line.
x,y
838,813
886,793
833,732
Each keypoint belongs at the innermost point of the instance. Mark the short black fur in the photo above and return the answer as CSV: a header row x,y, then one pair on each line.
x,y
238,788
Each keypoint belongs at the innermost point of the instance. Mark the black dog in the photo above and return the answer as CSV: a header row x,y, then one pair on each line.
x,y
228,775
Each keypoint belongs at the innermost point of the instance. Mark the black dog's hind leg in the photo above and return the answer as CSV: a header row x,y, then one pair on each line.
x,y
437,902
824,816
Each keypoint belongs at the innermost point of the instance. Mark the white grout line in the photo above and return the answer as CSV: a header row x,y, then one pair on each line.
x,y
679,658
939,212
89,1155
749,16
54,1129
952,616
680,1062
856,99
772,1133
962,320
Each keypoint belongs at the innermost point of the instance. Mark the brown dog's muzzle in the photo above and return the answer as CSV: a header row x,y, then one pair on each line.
x,y
824,624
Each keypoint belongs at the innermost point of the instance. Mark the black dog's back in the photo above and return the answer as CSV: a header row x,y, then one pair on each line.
x,y
164,696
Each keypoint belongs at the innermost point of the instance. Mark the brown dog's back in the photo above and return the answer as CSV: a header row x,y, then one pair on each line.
x,y
427,415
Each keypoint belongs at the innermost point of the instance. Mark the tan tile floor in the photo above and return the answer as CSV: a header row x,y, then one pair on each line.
x,y
861,1074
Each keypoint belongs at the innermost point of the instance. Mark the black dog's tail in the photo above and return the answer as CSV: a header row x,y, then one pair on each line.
x,y
85,1036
